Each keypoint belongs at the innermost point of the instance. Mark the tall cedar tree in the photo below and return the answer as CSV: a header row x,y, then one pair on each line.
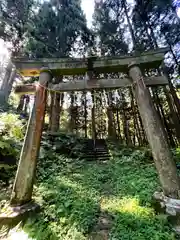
x,y
60,28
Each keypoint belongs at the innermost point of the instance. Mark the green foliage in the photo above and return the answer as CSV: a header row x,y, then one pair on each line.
x,y
156,23
15,20
65,143
11,136
108,28
11,126
57,27
72,193
7,148
176,154
12,132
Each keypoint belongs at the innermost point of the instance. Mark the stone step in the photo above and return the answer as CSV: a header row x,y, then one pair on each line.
x,y
101,152
96,156
93,150
97,153
91,154
97,159
86,157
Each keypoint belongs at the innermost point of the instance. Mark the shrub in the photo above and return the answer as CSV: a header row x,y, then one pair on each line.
x,y
11,126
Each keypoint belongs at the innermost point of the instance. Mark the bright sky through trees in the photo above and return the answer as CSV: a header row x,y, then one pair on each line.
x,y
88,7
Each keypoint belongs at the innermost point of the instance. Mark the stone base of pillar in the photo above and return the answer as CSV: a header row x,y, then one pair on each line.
x,y
11,216
170,208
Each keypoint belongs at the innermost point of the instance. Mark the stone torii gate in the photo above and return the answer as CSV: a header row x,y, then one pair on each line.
x,y
46,69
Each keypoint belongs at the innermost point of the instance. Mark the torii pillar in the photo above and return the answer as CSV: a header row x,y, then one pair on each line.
x,y
155,134
23,184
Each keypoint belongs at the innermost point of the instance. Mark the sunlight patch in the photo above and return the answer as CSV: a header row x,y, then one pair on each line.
x,y
126,205
18,235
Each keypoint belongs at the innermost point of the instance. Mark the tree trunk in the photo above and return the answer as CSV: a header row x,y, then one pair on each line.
x,y
152,34
26,105
94,134
118,125
110,115
137,131
175,119
173,92
171,50
7,76
50,109
124,2
111,129
55,108
4,90
10,83
148,35
21,104
85,114
55,112
23,185
157,107
126,129
71,114
165,165
168,131
61,106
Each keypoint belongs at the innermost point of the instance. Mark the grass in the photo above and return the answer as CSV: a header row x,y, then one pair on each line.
x,y
72,193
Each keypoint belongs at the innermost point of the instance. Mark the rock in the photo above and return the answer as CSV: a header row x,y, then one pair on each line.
x,y
11,216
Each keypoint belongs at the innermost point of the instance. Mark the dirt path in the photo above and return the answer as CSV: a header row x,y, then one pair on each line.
x,y
102,229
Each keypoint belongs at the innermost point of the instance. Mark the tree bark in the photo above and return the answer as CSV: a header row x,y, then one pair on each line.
x,y
55,112
7,76
27,100
4,90
21,104
118,125
55,109
165,165
111,130
137,131
110,115
94,134
126,129
173,92
158,110
169,131
124,2
152,34
72,113
171,50
174,118
23,185
85,113
10,83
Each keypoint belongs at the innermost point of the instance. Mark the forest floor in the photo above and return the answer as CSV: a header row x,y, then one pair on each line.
x,y
96,200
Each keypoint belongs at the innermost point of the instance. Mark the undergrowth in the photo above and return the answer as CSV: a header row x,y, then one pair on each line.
x,y
73,192
12,131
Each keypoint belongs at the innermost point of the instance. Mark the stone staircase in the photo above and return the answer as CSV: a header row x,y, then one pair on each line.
x,y
96,150
91,150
